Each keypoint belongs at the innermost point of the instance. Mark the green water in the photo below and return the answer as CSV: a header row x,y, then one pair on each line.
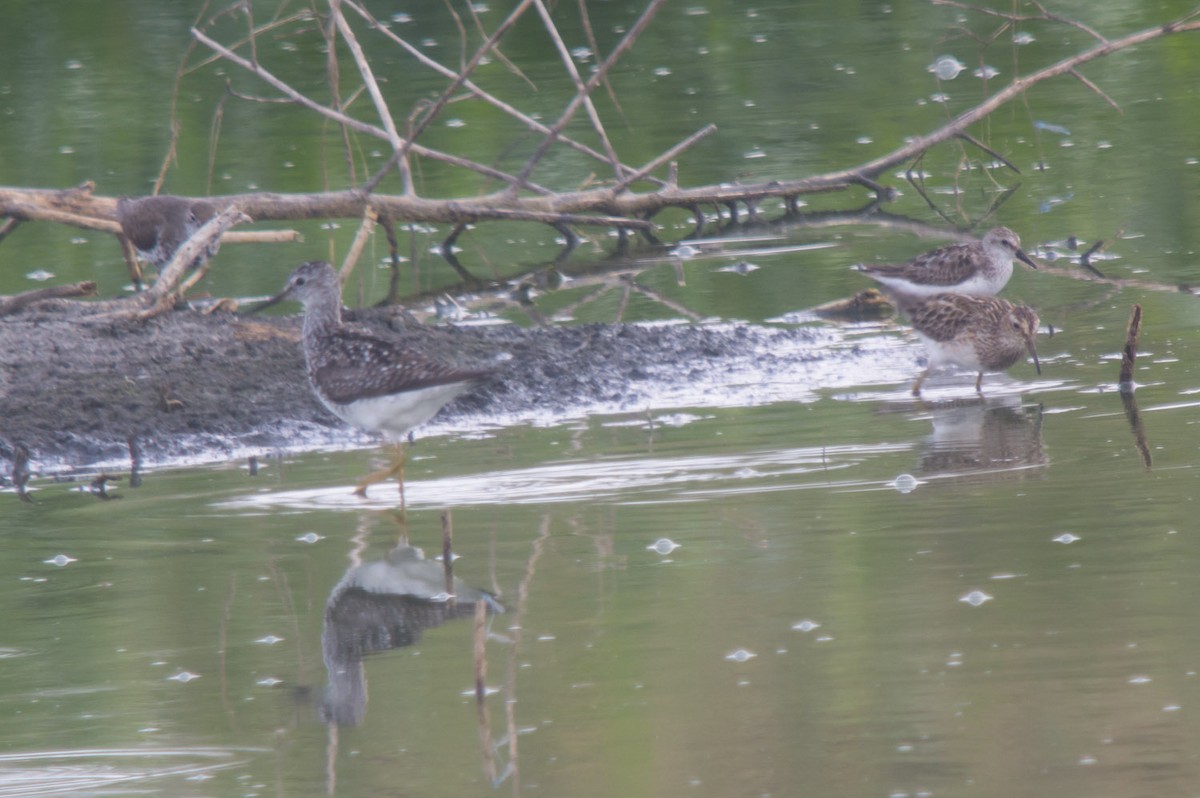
x,y
177,644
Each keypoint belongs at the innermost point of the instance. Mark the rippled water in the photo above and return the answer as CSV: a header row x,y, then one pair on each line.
x,y
858,594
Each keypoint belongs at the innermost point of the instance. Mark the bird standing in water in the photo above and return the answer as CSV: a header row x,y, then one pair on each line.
x,y
978,268
979,333
369,382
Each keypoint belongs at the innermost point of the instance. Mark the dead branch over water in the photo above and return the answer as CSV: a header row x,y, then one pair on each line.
x,y
629,199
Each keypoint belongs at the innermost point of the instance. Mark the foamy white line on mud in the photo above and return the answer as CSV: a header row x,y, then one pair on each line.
x,y
777,366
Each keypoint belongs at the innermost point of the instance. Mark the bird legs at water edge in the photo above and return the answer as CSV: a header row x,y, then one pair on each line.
x,y
916,389
396,469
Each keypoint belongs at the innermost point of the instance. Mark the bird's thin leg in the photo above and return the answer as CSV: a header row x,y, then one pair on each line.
x,y
396,469
979,384
916,389
135,270
194,278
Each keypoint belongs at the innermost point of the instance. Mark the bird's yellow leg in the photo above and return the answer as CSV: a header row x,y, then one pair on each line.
x,y
396,469
916,389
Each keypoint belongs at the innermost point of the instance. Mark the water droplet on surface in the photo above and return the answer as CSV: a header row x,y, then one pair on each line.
x,y
905,483
1087,759
269,681
806,625
939,97
946,67
663,546
662,72
757,152
455,123
986,72
740,655
976,598
309,537
41,275
269,640
183,676
1066,537
1140,679
1023,38
685,251
742,267
60,560
74,63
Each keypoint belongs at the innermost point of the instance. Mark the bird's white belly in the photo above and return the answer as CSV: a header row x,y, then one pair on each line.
x,y
395,415
946,353
978,284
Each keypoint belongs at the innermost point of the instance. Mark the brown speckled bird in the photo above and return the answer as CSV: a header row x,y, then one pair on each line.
x,y
979,333
158,226
979,268
374,384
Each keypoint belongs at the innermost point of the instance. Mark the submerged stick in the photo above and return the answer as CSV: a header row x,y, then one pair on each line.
x,y
448,553
1129,355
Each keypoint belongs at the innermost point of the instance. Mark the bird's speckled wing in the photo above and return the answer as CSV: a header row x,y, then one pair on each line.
x,y
350,365
944,316
946,266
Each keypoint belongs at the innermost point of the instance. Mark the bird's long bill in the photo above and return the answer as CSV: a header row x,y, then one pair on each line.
x,y
266,303
1021,256
1033,352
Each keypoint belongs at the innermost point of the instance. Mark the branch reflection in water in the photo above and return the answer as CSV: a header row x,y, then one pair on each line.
x,y
996,437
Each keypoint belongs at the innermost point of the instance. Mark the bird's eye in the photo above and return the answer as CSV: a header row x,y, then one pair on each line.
x,y
299,281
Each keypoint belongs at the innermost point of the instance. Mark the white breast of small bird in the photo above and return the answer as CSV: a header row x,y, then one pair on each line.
x,y
944,353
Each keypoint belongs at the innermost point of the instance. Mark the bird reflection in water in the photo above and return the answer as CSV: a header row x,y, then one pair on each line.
x,y
979,436
383,605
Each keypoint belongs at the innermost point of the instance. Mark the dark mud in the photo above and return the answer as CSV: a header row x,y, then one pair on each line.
x,y
75,391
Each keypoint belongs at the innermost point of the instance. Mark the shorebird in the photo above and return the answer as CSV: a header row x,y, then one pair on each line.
x,y
157,226
979,333
371,383
979,268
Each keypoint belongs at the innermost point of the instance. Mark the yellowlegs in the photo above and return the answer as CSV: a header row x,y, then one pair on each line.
x,y
371,383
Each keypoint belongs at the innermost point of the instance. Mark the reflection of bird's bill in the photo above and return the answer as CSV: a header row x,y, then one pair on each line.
x,y
1021,256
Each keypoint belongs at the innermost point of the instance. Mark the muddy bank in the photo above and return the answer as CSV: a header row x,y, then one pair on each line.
x,y
75,391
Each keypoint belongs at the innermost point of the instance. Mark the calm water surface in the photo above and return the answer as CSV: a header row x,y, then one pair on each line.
x,y
870,597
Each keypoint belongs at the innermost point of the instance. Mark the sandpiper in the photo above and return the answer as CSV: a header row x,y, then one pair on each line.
x,y
979,268
157,226
371,383
979,333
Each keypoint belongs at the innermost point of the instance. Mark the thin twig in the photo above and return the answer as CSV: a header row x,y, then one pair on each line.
x,y
370,216
564,55
967,137
666,156
1079,76
352,123
480,93
399,145
1129,353
580,95
459,80
586,19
